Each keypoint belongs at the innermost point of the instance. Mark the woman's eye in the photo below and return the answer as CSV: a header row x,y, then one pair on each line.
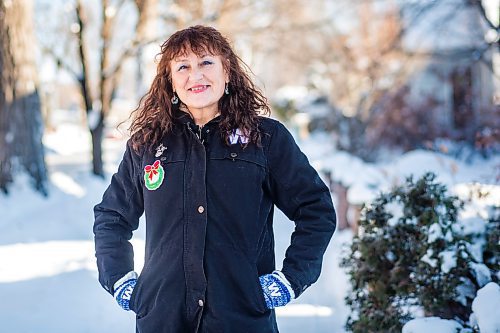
x,y
207,62
181,67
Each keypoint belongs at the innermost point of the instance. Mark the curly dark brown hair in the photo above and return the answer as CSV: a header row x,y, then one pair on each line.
x,y
153,118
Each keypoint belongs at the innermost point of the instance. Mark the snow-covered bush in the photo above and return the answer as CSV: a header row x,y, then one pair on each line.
x,y
412,258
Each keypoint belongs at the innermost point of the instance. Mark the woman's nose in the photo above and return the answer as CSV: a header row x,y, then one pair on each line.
x,y
196,74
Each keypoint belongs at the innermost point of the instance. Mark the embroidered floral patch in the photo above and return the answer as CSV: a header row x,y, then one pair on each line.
x,y
153,175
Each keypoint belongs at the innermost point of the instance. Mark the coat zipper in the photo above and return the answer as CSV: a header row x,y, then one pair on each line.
x,y
197,133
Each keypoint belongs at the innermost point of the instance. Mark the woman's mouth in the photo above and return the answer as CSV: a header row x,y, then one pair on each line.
x,y
198,88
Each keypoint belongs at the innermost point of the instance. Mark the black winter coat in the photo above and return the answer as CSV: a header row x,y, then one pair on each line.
x,y
209,227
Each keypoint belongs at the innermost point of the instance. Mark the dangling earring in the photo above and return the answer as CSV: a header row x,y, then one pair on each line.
x,y
226,90
175,99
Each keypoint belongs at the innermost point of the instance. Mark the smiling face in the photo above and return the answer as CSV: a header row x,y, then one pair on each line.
x,y
199,81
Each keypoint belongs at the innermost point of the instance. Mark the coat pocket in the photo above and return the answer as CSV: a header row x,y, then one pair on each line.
x,y
233,281
261,301
240,158
134,297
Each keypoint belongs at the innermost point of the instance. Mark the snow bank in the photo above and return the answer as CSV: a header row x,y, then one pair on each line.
x,y
431,324
366,180
485,315
485,308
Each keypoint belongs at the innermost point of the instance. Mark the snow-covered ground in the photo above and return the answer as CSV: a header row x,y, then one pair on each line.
x,y
48,277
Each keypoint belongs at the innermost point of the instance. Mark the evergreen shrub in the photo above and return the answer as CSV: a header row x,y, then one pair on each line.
x,y
411,258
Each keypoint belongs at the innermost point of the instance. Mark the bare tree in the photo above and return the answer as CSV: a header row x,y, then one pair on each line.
x,y
21,147
97,91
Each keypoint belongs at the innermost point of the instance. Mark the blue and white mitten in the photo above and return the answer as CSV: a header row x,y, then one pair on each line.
x,y
124,288
277,290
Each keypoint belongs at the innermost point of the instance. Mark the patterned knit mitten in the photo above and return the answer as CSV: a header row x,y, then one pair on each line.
x,y
277,290
124,288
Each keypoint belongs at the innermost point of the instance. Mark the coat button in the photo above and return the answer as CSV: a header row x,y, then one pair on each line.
x,y
233,155
200,302
201,209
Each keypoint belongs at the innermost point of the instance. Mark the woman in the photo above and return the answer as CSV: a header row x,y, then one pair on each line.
x,y
207,170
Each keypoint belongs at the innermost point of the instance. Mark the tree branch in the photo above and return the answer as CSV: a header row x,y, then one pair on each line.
x,y
83,79
60,61
129,52
136,43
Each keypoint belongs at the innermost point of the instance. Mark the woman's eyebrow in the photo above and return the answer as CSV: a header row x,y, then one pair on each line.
x,y
180,59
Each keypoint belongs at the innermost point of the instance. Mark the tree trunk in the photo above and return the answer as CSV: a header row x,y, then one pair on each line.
x,y
21,125
95,119
108,73
342,208
97,135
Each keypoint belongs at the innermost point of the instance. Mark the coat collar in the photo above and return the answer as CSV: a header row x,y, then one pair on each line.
x,y
184,118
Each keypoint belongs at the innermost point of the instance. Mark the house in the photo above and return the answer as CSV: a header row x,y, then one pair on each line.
x,y
458,64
